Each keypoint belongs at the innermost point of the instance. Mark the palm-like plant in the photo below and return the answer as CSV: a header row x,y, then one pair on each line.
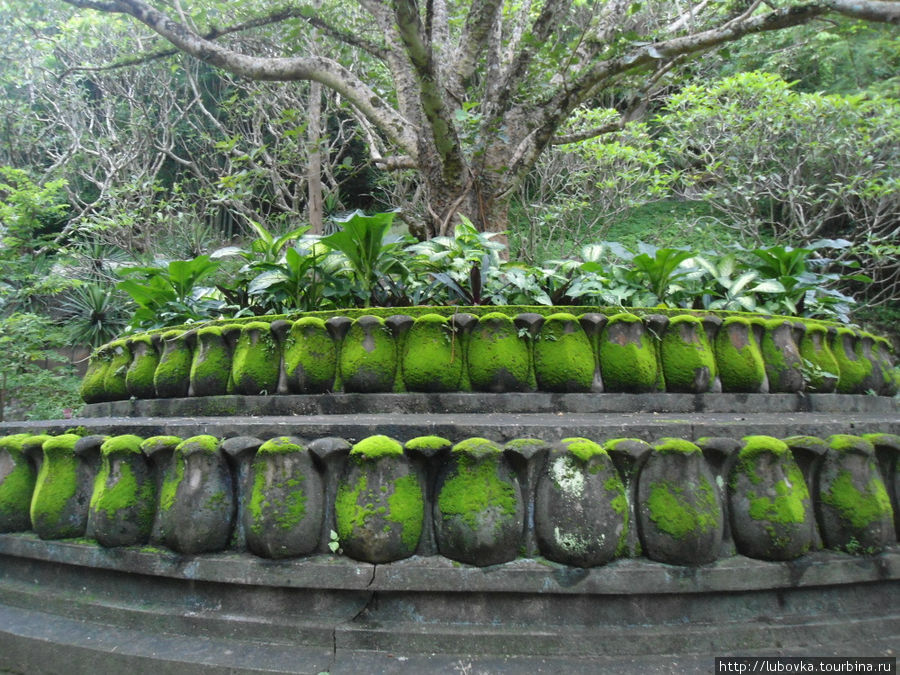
x,y
93,314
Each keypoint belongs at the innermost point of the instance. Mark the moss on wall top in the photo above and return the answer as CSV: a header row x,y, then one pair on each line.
x,y
375,447
125,443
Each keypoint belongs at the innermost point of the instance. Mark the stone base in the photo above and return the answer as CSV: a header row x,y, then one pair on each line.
x,y
76,607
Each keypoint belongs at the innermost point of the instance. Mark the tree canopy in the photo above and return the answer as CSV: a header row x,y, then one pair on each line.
x,y
470,94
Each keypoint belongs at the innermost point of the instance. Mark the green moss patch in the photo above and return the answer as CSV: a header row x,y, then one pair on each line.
x,y
375,447
256,364
666,446
477,486
432,356
563,355
688,360
427,443
406,507
498,358
57,482
853,367
282,501
628,359
859,508
582,448
93,388
679,516
118,444
211,365
310,357
144,362
16,484
368,357
738,357
173,374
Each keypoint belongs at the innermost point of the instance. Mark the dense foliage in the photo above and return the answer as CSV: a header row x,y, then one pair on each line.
x,y
363,265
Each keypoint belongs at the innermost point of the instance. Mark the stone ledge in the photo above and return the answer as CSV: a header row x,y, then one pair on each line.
x,y
498,427
436,574
469,403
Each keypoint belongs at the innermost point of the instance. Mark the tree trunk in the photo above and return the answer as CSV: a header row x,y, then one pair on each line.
x,y
314,171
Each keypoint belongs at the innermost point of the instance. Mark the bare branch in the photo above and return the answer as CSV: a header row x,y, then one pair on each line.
x,y
326,71
577,137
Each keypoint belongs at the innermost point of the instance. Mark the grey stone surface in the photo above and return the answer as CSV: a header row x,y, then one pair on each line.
x,y
511,402
75,607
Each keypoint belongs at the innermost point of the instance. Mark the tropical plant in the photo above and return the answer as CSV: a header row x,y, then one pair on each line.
x,y
93,314
170,294
729,284
370,252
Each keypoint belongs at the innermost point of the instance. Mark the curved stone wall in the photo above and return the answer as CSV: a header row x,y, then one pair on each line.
x,y
497,351
576,502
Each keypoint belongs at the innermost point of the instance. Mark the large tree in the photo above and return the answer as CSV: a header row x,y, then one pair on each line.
x,y
471,92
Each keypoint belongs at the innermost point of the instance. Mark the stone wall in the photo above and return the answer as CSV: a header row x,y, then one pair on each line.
x,y
474,501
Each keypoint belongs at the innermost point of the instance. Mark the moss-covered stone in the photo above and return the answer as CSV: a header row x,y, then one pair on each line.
x,y
368,356
123,502
427,443
432,356
680,516
93,389
144,362
256,363
114,378
285,507
854,509
853,367
197,502
820,367
628,357
581,509
479,509
310,357
498,357
172,378
211,364
781,355
55,509
380,505
563,355
884,361
17,479
688,360
770,506
738,357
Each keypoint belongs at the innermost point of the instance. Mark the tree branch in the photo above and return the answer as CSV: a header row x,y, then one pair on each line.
x,y
326,71
443,130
